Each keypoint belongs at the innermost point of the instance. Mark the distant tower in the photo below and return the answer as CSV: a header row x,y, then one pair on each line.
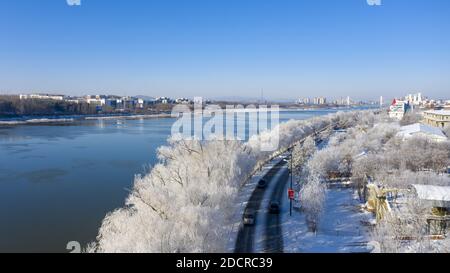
x,y
381,101
348,101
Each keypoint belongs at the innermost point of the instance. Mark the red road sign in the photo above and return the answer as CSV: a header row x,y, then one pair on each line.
x,y
291,194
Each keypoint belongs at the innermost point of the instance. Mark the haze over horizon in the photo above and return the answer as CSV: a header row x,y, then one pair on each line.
x,y
230,48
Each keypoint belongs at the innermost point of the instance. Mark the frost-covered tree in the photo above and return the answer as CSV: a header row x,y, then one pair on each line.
x,y
403,179
301,154
409,118
182,204
309,146
312,198
325,162
417,154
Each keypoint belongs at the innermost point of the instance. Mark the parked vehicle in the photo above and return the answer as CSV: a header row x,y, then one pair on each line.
x,y
249,217
297,205
274,207
262,184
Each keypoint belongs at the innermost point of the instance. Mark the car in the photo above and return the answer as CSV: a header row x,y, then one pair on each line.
x,y
262,184
274,207
297,205
249,217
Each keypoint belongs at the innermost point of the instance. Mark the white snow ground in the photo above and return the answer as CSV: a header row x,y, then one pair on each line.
x,y
340,230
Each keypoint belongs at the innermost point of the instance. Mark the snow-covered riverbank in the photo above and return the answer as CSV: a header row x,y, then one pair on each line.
x,y
36,121
69,119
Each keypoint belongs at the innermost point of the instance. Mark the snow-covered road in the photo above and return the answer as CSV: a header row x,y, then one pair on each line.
x,y
268,228
241,203
254,238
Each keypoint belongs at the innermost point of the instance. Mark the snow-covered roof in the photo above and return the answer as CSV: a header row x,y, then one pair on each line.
x,y
439,112
433,193
421,128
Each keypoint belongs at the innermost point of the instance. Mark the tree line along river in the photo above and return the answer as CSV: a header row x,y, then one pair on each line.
x,y
58,181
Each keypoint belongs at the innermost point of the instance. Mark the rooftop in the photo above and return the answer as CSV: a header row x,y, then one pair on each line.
x,y
421,128
439,112
433,193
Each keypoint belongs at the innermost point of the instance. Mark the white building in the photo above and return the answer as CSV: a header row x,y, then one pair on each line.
x,y
73,99
414,99
139,103
304,101
182,101
320,100
398,109
41,97
418,129
163,100
114,101
96,100
437,118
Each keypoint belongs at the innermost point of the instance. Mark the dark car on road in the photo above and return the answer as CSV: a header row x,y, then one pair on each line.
x,y
274,207
262,184
249,217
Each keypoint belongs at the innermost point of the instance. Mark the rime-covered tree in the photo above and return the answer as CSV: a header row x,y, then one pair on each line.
x,y
409,118
312,198
301,154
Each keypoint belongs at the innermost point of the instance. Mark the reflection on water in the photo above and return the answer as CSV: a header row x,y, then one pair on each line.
x,y
57,182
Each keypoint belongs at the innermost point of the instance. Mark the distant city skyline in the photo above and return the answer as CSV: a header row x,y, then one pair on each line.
x,y
292,49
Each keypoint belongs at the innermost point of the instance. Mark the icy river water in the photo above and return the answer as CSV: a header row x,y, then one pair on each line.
x,y
57,182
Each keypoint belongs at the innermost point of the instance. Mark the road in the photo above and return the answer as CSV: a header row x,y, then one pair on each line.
x,y
272,240
245,239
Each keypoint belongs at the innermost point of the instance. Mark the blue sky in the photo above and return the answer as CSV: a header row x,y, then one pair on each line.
x,y
216,48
